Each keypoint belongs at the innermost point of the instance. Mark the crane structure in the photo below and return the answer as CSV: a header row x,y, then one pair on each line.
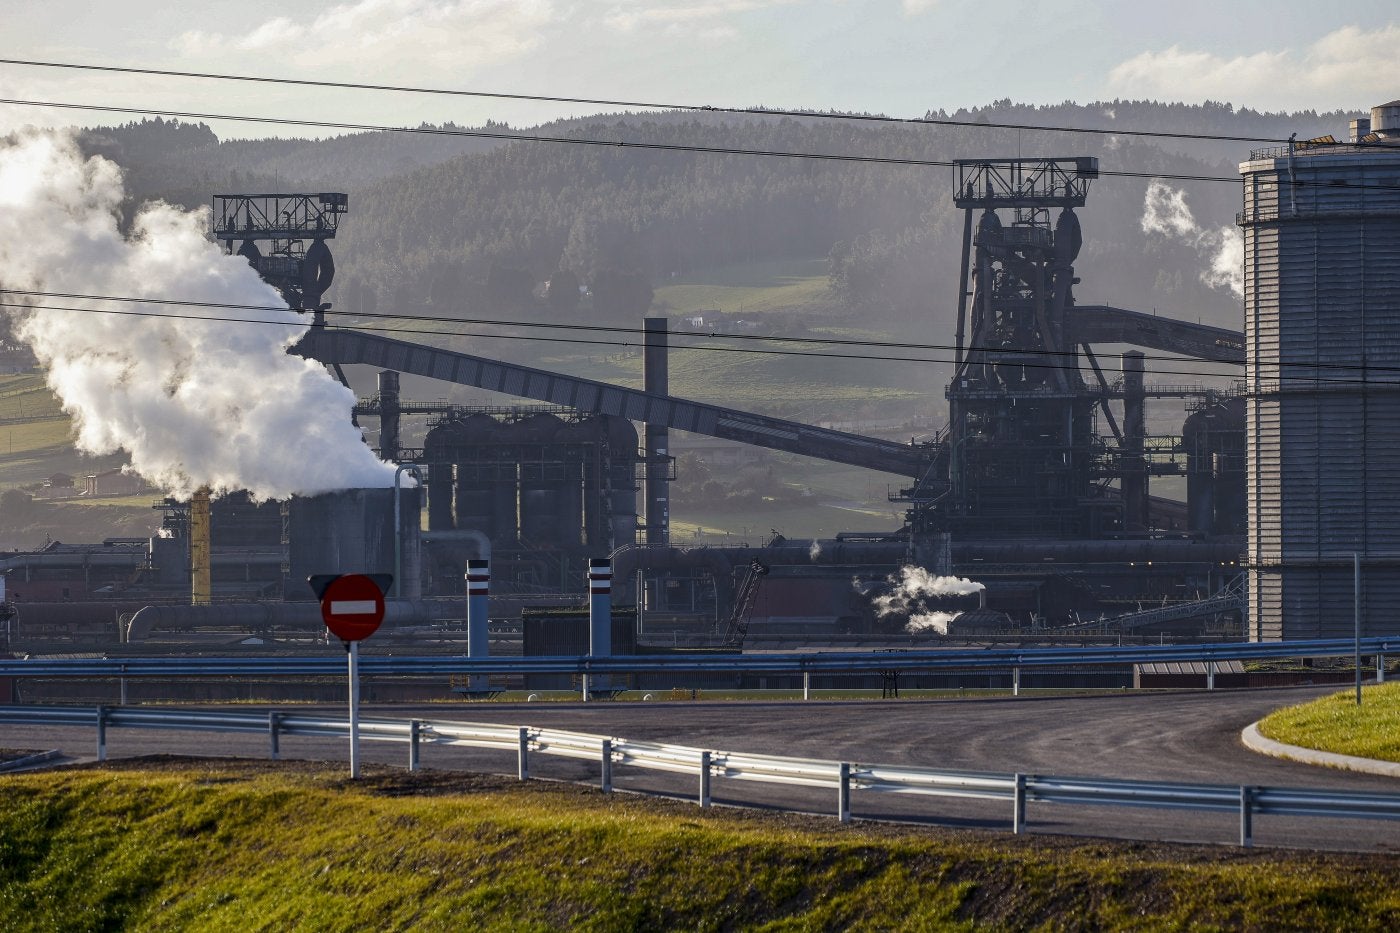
x,y
295,228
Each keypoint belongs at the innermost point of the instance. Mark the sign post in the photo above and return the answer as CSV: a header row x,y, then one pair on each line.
x,y
352,606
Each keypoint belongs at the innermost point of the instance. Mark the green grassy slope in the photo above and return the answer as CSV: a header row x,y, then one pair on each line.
x,y
1336,724
248,846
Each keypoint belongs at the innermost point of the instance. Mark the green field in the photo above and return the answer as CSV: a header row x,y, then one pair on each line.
x,y
1336,724
749,287
244,846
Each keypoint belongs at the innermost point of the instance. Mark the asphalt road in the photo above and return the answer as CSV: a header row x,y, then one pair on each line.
x,y
1186,736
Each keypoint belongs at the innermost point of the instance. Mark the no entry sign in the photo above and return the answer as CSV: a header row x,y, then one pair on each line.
x,y
352,606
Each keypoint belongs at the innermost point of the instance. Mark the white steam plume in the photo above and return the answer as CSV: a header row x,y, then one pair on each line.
x,y
1164,211
930,622
194,402
912,587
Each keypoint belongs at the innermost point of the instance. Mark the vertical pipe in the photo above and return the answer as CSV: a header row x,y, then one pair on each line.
x,y
1015,681
656,381
806,685
478,611
704,779
606,776
102,733
522,766
843,794
388,415
1210,674
962,288
413,732
1380,668
272,736
1133,480
412,470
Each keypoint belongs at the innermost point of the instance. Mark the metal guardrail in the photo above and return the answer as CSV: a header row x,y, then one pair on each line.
x,y
825,662
839,776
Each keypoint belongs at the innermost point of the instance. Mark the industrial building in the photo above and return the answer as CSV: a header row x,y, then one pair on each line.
x,y
1321,225
1040,486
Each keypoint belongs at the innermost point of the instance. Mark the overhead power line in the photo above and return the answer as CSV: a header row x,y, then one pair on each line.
x,y
565,140
641,105
640,335
637,332
635,144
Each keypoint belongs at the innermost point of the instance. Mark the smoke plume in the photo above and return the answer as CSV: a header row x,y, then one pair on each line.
x,y
913,588
195,399
1165,212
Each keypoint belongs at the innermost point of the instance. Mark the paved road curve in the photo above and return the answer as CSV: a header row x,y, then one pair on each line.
x,y
1186,736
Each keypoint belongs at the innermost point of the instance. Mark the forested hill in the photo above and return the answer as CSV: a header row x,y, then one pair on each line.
x,y
443,223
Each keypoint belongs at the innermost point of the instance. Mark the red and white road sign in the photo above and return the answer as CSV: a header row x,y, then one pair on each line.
x,y
352,607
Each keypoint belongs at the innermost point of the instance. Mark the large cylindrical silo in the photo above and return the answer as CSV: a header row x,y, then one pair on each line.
x,y
353,531
1322,329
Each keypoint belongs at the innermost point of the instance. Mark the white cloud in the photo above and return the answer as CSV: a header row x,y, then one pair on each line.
x,y
456,37
1345,68
917,7
640,14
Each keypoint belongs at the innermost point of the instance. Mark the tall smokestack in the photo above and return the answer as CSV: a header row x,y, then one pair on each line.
x,y
656,378
389,415
1134,476
202,589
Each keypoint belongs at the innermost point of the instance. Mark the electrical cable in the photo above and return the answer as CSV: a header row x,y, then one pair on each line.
x,y
651,146
595,328
641,332
641,105
565,140
1312,380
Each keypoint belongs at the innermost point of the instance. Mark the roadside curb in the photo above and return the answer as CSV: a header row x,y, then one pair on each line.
x,y
1256,742
28,761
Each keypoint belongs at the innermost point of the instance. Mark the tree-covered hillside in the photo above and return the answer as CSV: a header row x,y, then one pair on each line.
x,y
442,224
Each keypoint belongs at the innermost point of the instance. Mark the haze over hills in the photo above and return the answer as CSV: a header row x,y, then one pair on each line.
x,y
459,226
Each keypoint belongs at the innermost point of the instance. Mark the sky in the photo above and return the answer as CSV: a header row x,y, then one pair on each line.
x,y
897,57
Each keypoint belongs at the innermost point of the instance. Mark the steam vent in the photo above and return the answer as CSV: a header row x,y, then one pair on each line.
x,y
1321,227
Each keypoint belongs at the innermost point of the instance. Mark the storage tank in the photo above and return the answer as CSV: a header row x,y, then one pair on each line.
x,y
1322,332
352,531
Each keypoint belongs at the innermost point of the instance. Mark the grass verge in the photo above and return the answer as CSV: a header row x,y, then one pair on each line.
x,y
1336,724
220,845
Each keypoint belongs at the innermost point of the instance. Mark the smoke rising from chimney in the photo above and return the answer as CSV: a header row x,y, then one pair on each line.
x,y
1164,211
193,398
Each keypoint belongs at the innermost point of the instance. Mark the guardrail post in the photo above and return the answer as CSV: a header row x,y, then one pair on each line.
x,y
123,690
1247,817
843,794
1018,812
704,800
607,766
585,688
1015,681
102,733
523,767
1210,674
272,743
1380,668
413,726
806,685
